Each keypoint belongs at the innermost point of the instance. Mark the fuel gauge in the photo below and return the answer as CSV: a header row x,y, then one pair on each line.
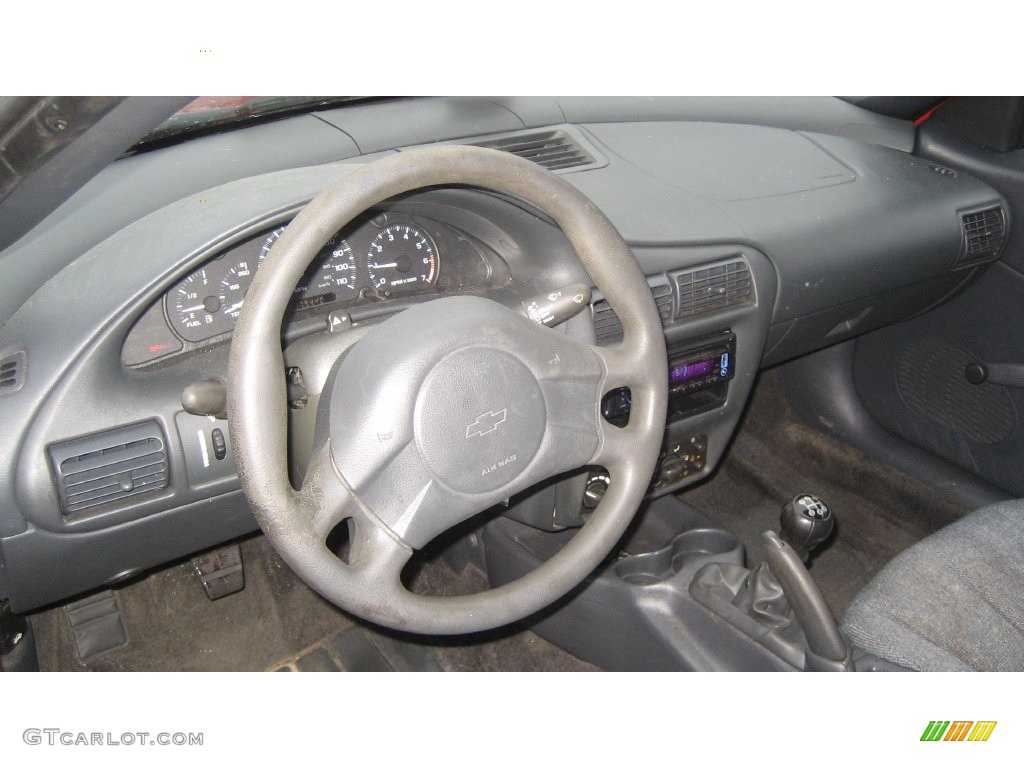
x,y
194,311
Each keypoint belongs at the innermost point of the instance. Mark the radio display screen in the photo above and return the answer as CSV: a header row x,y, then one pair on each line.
x,y
692,370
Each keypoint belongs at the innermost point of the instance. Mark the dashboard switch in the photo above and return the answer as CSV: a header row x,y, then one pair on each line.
x,y
615,406
596,487
339,320
201,439
220,446
681,460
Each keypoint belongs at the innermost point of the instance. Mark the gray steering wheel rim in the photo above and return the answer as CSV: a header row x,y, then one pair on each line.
x,y
258,411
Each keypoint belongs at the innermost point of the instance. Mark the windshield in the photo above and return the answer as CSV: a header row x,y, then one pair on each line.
x,y
211,112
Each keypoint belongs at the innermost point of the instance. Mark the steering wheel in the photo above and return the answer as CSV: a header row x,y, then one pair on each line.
x,y
445,409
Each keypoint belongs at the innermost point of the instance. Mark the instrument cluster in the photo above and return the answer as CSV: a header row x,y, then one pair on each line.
x,y
385,257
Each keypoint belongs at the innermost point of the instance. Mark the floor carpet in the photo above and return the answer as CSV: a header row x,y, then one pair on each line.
x,y
277,622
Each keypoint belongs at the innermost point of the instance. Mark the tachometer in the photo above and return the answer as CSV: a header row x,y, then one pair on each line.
x,y
401,258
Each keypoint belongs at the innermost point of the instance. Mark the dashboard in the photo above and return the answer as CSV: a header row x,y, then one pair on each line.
x,y
765,234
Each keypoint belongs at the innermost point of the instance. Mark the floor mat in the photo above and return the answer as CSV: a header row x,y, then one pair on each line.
x,y
278,622
879,511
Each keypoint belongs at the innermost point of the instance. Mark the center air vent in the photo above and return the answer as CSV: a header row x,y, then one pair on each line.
x,y
713,287
607,325
109,467
983,235
556,150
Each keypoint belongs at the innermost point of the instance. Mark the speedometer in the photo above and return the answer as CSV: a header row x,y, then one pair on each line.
x,y
272,238
401,258
335,268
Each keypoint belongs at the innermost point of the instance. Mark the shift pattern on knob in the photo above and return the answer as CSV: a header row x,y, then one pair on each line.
x,y
813,507
806,521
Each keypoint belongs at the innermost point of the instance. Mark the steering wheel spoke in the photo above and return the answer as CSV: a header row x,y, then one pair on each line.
x,y
324,499
623,366
367,557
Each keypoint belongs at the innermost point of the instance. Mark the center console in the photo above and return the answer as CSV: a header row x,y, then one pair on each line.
x,y
636,613
715,336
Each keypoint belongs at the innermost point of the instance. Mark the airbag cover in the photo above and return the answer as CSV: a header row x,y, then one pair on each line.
x,y
479,420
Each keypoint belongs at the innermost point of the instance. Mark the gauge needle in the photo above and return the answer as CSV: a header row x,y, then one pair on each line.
x,y
193,309
384,266
234,307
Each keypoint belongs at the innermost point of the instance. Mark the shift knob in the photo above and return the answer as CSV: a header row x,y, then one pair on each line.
x,y
806,521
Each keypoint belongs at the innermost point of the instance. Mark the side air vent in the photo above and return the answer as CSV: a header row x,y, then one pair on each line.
x,y
12,373
713,287
984,233
109,467
607,325
556,150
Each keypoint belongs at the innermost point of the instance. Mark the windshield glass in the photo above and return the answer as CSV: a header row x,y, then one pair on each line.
x,y
211,112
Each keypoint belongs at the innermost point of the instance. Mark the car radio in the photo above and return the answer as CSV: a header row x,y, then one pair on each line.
x,y
699,371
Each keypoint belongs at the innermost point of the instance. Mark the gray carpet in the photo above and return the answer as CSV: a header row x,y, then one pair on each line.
x,y
879,511
278,622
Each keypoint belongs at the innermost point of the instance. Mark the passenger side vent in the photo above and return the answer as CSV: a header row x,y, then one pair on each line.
x,y
984,233
607,325
12,373
713,287
554,149
109,467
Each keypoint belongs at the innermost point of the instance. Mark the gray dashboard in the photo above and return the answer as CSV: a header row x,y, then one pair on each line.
x,y
839,236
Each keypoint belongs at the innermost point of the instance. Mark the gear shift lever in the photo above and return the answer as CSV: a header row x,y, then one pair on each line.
x,y
806,521
781,584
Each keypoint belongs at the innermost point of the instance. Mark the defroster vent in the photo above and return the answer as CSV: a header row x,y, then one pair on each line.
x,y
607,325
713,287
556,150
984,233
109,467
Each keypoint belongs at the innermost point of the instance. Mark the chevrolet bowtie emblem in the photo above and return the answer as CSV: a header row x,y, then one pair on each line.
x,y
486,423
